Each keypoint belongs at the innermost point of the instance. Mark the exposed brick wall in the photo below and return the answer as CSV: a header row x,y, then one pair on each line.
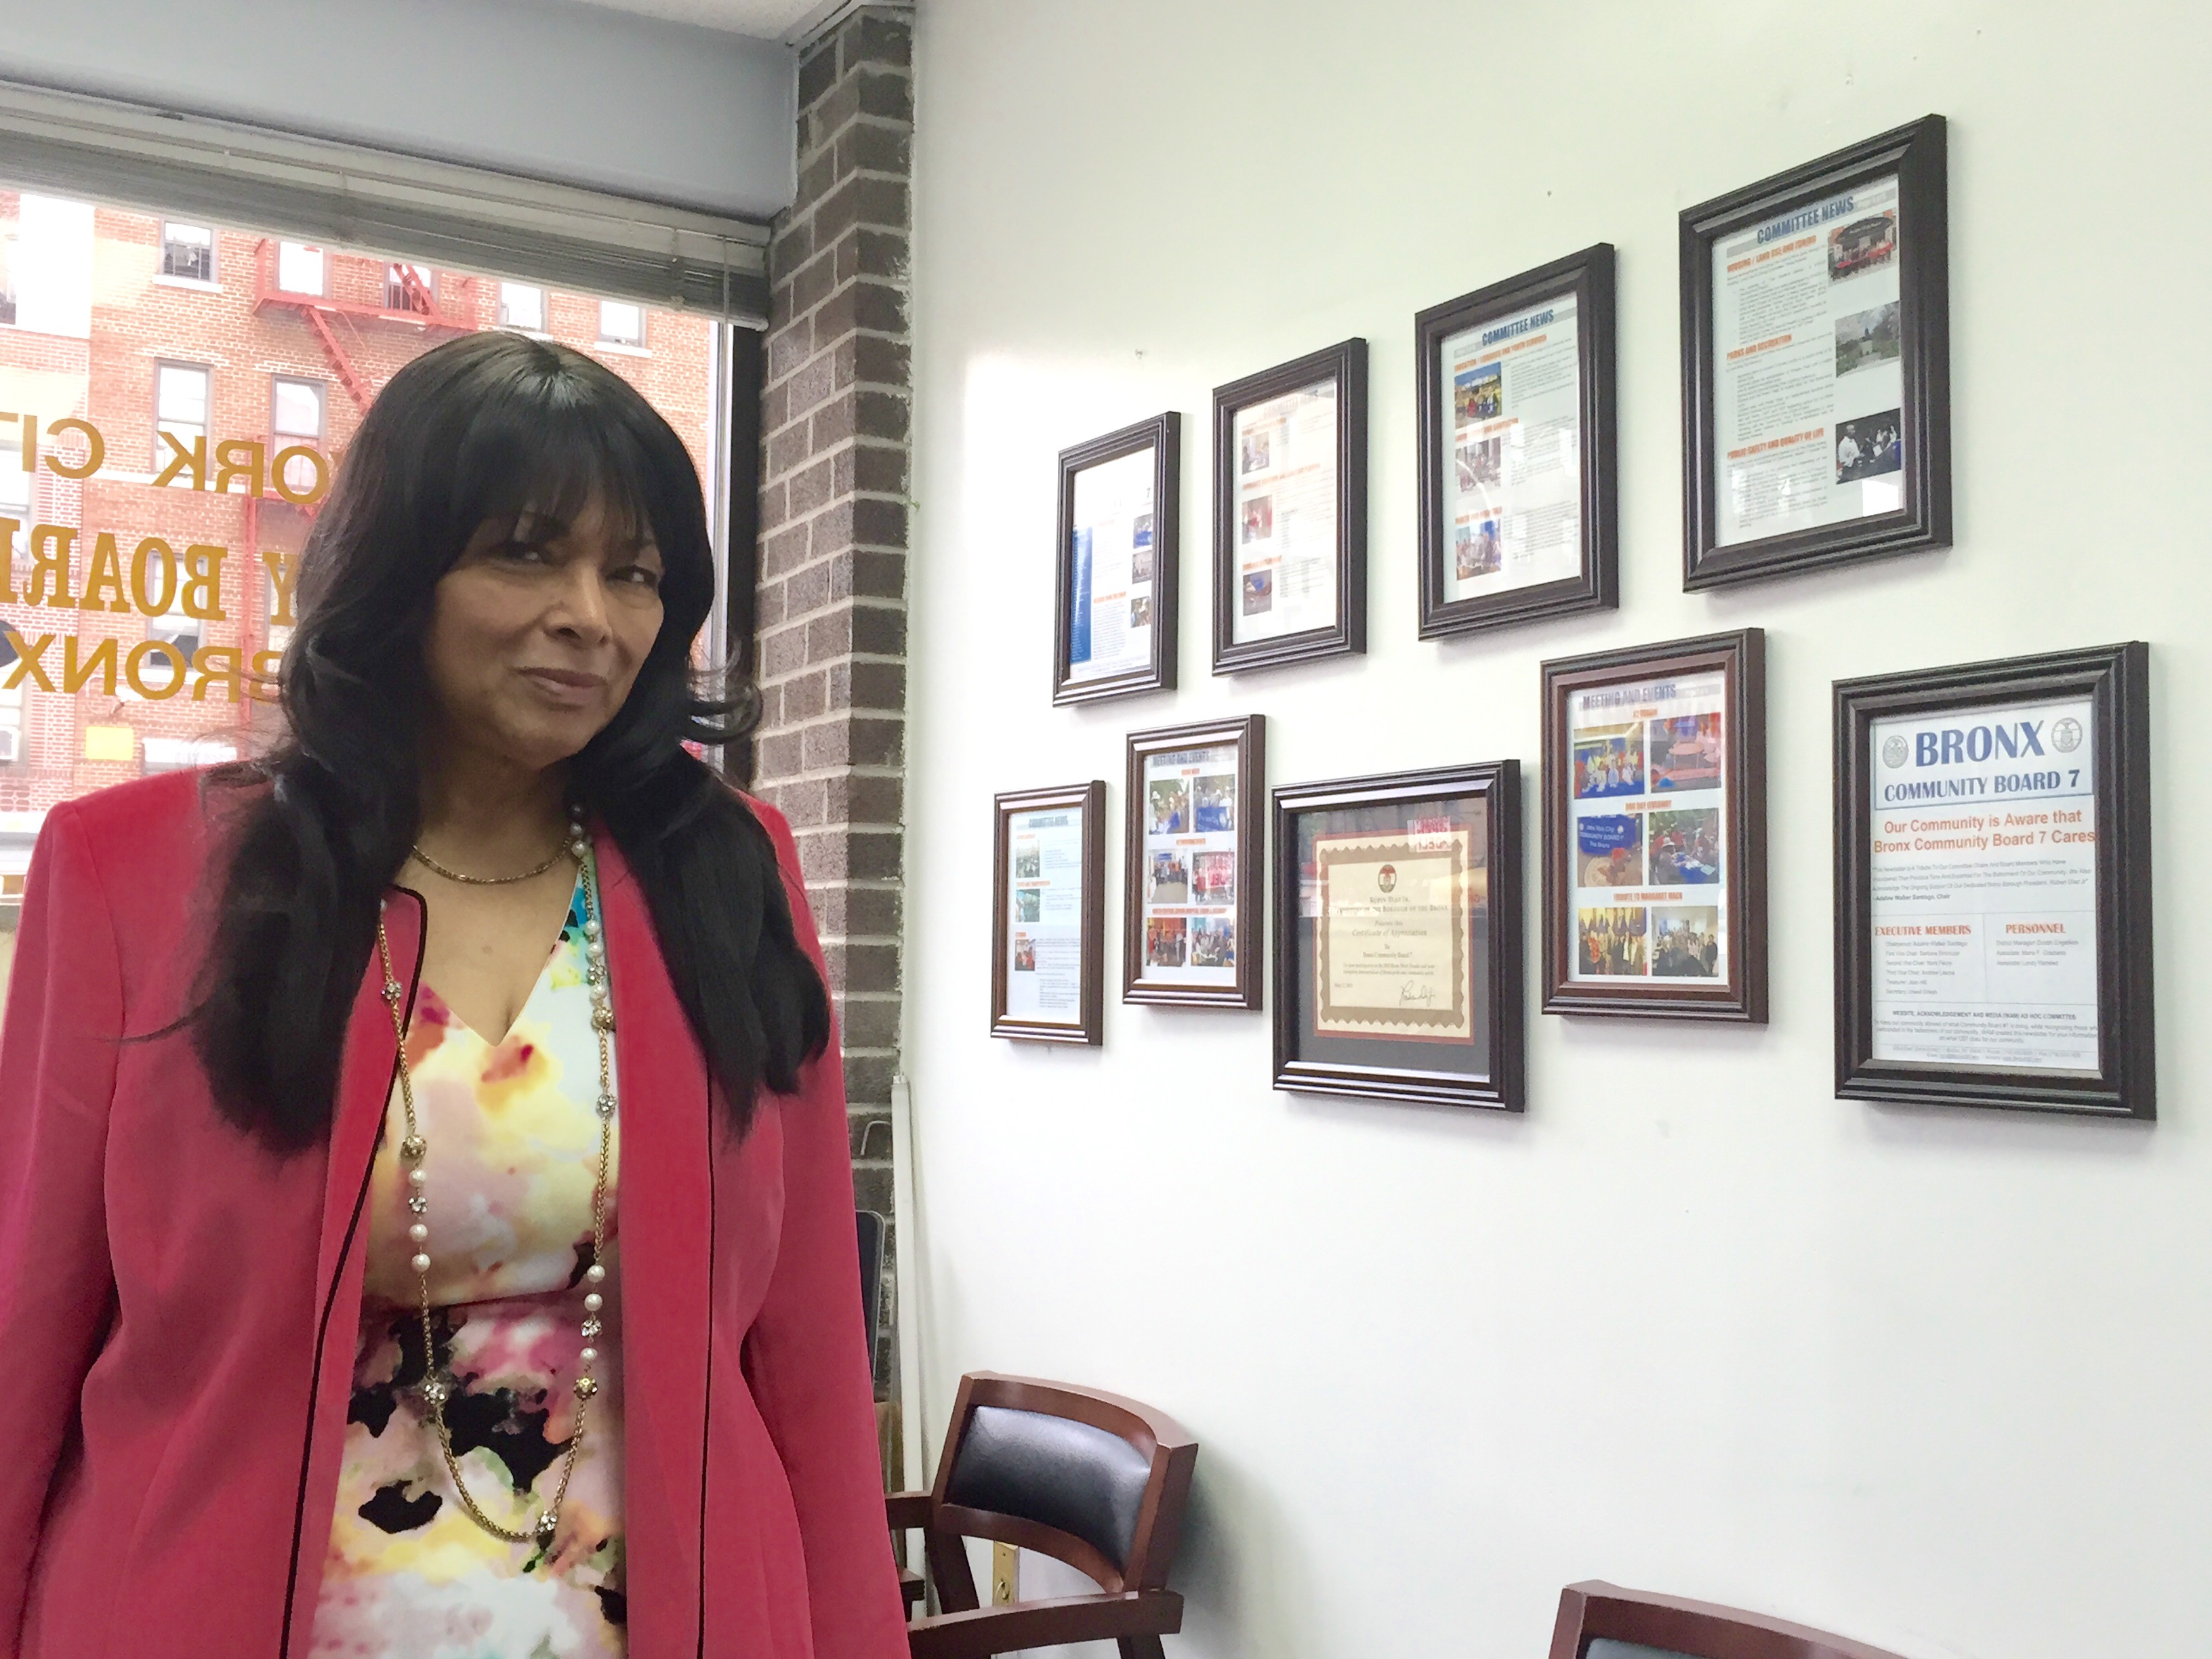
x,y
832,610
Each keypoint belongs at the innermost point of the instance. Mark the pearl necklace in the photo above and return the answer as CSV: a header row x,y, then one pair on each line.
x,y
413,1150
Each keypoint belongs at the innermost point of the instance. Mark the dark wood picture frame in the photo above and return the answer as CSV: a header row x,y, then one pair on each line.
x,y
1090,799
2115,680
1500,1008
1588,276
1740,657
1915,154
1162,435
1248,735
1345,363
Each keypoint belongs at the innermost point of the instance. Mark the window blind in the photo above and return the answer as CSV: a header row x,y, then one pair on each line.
x,y
379,201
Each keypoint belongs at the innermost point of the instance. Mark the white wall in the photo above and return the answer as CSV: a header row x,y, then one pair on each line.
x,y
547,89
1938,1380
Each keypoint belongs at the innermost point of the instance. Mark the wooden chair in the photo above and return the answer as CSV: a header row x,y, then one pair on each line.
x,y
1091,1479
1598,1620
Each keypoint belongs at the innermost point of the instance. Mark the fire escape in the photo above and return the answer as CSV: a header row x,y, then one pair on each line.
x,y
417,308
410,303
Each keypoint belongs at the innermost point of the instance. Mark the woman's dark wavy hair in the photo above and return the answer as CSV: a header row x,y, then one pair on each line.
x,y
485,427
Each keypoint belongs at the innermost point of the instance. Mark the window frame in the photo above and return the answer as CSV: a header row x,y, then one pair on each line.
x,y
639,345
12,467
322,390
544,306
163,274
322,289
11,239
206,371
428,273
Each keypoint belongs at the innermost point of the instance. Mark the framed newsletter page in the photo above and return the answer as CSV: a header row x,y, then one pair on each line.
x,y
1114,631
1290,512
1192,883
1047,914
1816,364
1654,830
1519,516
1993,885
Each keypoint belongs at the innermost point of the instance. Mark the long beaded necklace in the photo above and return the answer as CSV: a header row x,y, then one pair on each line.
x,y
413,1150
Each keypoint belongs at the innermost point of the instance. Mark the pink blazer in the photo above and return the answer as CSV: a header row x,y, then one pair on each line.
x,y
178,1307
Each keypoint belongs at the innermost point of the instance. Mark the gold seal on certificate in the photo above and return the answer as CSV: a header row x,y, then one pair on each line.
x,y
1395,934
1397,965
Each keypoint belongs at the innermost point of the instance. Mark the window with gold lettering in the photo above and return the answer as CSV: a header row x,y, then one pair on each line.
x,y
175,396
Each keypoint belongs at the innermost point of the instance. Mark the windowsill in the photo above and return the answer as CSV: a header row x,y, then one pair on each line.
x,y
193,283
621,350
20,328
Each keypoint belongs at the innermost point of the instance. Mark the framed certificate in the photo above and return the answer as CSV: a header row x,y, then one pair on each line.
x,y
1993,885
1191,887
1113,629
1519,502
1398,937
1816,381
1654,830
1049,913
1290,512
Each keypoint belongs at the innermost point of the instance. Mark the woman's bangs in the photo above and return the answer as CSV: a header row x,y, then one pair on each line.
x,y
549,457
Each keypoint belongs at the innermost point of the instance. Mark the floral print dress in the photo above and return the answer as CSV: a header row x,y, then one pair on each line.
x,y
514,1145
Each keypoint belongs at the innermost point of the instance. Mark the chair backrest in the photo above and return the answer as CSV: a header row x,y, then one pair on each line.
x,y
1598,1620
1092,1478
871,1278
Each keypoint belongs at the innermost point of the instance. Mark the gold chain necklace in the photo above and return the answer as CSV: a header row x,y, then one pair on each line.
x,y
432,865
413,1150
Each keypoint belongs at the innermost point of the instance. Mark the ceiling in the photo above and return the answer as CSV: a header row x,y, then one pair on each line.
x,y
771,20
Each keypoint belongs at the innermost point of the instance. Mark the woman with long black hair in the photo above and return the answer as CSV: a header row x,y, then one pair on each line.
x,y
375,1280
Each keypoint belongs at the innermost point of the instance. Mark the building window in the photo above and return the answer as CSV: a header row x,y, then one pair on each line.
x,y
188,252
410,287
173,625
298,268
180,409
10,251
295,413
14,482
280,634
521,306
621,324
11,724
174,753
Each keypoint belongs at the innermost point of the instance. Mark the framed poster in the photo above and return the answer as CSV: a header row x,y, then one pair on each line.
x,y
1049,913
1816,380
1519,499
1114,628
1290,512
1191,887
1654,830
1993,885
1398,937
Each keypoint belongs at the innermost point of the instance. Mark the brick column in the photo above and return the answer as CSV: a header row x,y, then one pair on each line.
x,y
832,525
